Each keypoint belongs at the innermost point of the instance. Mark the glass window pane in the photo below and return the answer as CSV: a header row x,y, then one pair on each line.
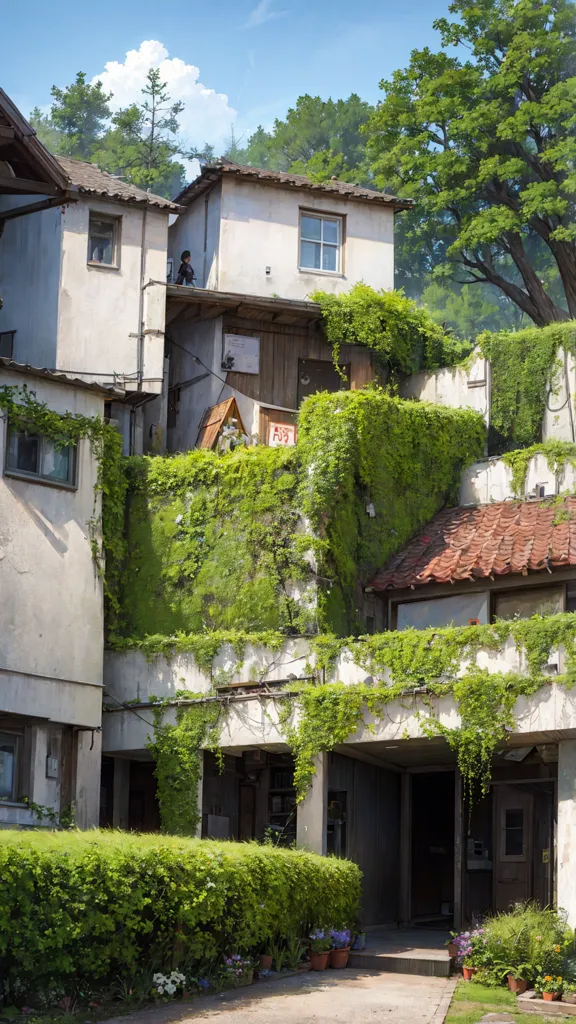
x,y
331,231
101,241
530,601
7,769
329,257
311,228
56,463
310,255
23,451
514,827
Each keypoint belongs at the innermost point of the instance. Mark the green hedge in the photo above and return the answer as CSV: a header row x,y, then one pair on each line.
x,y
91,906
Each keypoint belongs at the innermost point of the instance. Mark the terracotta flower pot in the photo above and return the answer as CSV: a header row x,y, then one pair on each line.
x,y
469,973
339,957
550,997
266,961
452,949
319,961
517,985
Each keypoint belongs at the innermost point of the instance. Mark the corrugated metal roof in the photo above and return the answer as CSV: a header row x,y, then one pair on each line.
x,y
345,189
57,375
485,540
93,181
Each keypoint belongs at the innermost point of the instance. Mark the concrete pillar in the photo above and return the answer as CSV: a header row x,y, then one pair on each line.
x,y
405,896
121,793
87,781
200,794
566,847
312,812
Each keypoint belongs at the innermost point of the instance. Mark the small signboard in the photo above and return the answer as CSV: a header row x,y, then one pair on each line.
x,y
281,435
241,354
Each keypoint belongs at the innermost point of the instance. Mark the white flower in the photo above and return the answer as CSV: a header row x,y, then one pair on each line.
x,y
210,885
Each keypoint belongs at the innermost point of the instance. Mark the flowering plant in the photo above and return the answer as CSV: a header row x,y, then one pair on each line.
x,y
320,941
550,983
340,940
236,966
470,948
168,984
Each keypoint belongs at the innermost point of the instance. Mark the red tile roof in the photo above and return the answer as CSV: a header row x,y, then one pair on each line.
x,y
486,540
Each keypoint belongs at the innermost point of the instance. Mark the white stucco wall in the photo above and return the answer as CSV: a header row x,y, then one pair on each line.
x,y
99,306
198,230
30,256
491,480
51,616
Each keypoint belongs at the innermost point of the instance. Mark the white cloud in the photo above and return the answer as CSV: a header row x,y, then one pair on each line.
x,y
207,114
261,13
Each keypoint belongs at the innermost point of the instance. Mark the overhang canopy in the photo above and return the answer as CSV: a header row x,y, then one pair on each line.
x,y
204,304
26,166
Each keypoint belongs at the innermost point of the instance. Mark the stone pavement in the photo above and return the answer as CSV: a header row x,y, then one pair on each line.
x,y
330,997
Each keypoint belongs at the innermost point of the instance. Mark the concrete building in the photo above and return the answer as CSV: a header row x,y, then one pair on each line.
x,y
261,243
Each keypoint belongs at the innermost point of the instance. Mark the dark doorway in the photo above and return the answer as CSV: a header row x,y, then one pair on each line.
x,y
320,375
143,810
432,885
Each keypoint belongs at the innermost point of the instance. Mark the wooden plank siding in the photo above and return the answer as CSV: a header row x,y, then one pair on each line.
x,y
281,346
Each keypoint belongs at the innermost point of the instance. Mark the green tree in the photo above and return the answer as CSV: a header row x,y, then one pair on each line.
x,y
77,119
45,130
142,142
318,137
486,147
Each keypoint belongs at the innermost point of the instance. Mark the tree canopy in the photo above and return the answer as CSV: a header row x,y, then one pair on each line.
x,y
487,146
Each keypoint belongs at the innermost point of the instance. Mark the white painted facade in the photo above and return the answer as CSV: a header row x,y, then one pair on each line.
x,y
102,323
244,237
51,621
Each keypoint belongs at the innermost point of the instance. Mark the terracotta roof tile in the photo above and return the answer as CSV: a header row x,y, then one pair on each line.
x,y
92,181
486,540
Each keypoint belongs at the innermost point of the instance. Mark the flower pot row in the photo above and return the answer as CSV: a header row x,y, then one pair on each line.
x,y
337,958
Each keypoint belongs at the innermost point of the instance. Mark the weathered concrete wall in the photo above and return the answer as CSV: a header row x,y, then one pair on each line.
x,y
108,344
30,259
203,340
567,828
198,230
491,480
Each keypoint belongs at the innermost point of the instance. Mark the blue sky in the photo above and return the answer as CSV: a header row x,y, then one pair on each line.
x,y
243,62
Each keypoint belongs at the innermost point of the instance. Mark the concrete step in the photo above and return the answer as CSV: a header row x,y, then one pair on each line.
x,y
422,961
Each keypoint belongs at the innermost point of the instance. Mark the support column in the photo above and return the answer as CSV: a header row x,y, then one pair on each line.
x,y
458,850
121,793
566,846
312,812
405,900
200,794
87,782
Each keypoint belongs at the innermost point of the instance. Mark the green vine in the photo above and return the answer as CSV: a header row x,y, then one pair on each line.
x,y
25,413
404,336
556,453
176,751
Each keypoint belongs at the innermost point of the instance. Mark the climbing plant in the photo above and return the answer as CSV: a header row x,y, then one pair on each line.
x,y
404,336
24,412
525,370
176,751
556,453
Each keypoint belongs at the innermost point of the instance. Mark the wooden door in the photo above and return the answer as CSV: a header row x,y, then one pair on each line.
x,y
513,829
319,375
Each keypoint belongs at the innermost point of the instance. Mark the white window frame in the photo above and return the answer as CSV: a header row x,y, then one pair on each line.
x,y
21,474
322,215
116,223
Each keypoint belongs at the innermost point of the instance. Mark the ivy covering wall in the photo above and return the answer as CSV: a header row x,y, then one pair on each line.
x,y
276,539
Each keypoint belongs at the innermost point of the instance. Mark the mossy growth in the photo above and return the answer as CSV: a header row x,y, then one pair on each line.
x,y
277,539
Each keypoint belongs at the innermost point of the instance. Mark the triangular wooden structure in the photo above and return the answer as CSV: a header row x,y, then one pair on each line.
x,y
216,417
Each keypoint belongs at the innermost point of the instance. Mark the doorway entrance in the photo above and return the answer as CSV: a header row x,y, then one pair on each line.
x,y
523,844
432,852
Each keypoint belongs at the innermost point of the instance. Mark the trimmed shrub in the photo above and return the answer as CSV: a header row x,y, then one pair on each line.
x,y
89,906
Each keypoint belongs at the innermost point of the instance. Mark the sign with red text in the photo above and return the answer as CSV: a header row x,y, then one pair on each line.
x,y
281,435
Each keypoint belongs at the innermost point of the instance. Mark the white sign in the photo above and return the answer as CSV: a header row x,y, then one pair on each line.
x,y
281,435
241,354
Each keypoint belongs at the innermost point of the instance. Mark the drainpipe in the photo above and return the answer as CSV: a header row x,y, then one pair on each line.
x,y
140,333
205,238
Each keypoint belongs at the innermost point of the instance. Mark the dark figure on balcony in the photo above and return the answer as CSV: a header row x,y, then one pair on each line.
x,y
185,271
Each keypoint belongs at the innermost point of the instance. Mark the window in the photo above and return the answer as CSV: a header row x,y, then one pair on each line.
x,y
103,240
8,764
514,832
320,243
30,455
521,604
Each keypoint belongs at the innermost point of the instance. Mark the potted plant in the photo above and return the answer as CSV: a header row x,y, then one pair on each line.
x,y
320,946
266,961
569,994
518,978
551,986
359,941
451,944
340,948
238,970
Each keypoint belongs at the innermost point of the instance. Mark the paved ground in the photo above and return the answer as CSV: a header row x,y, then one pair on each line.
x,y
343,997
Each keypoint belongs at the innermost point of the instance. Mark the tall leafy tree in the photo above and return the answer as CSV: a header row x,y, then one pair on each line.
x,y
487,148
142,141
78,118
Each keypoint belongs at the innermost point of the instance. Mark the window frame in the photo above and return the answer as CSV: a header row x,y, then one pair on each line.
x,y
116,221
509,591
47,481
16,738
323,215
